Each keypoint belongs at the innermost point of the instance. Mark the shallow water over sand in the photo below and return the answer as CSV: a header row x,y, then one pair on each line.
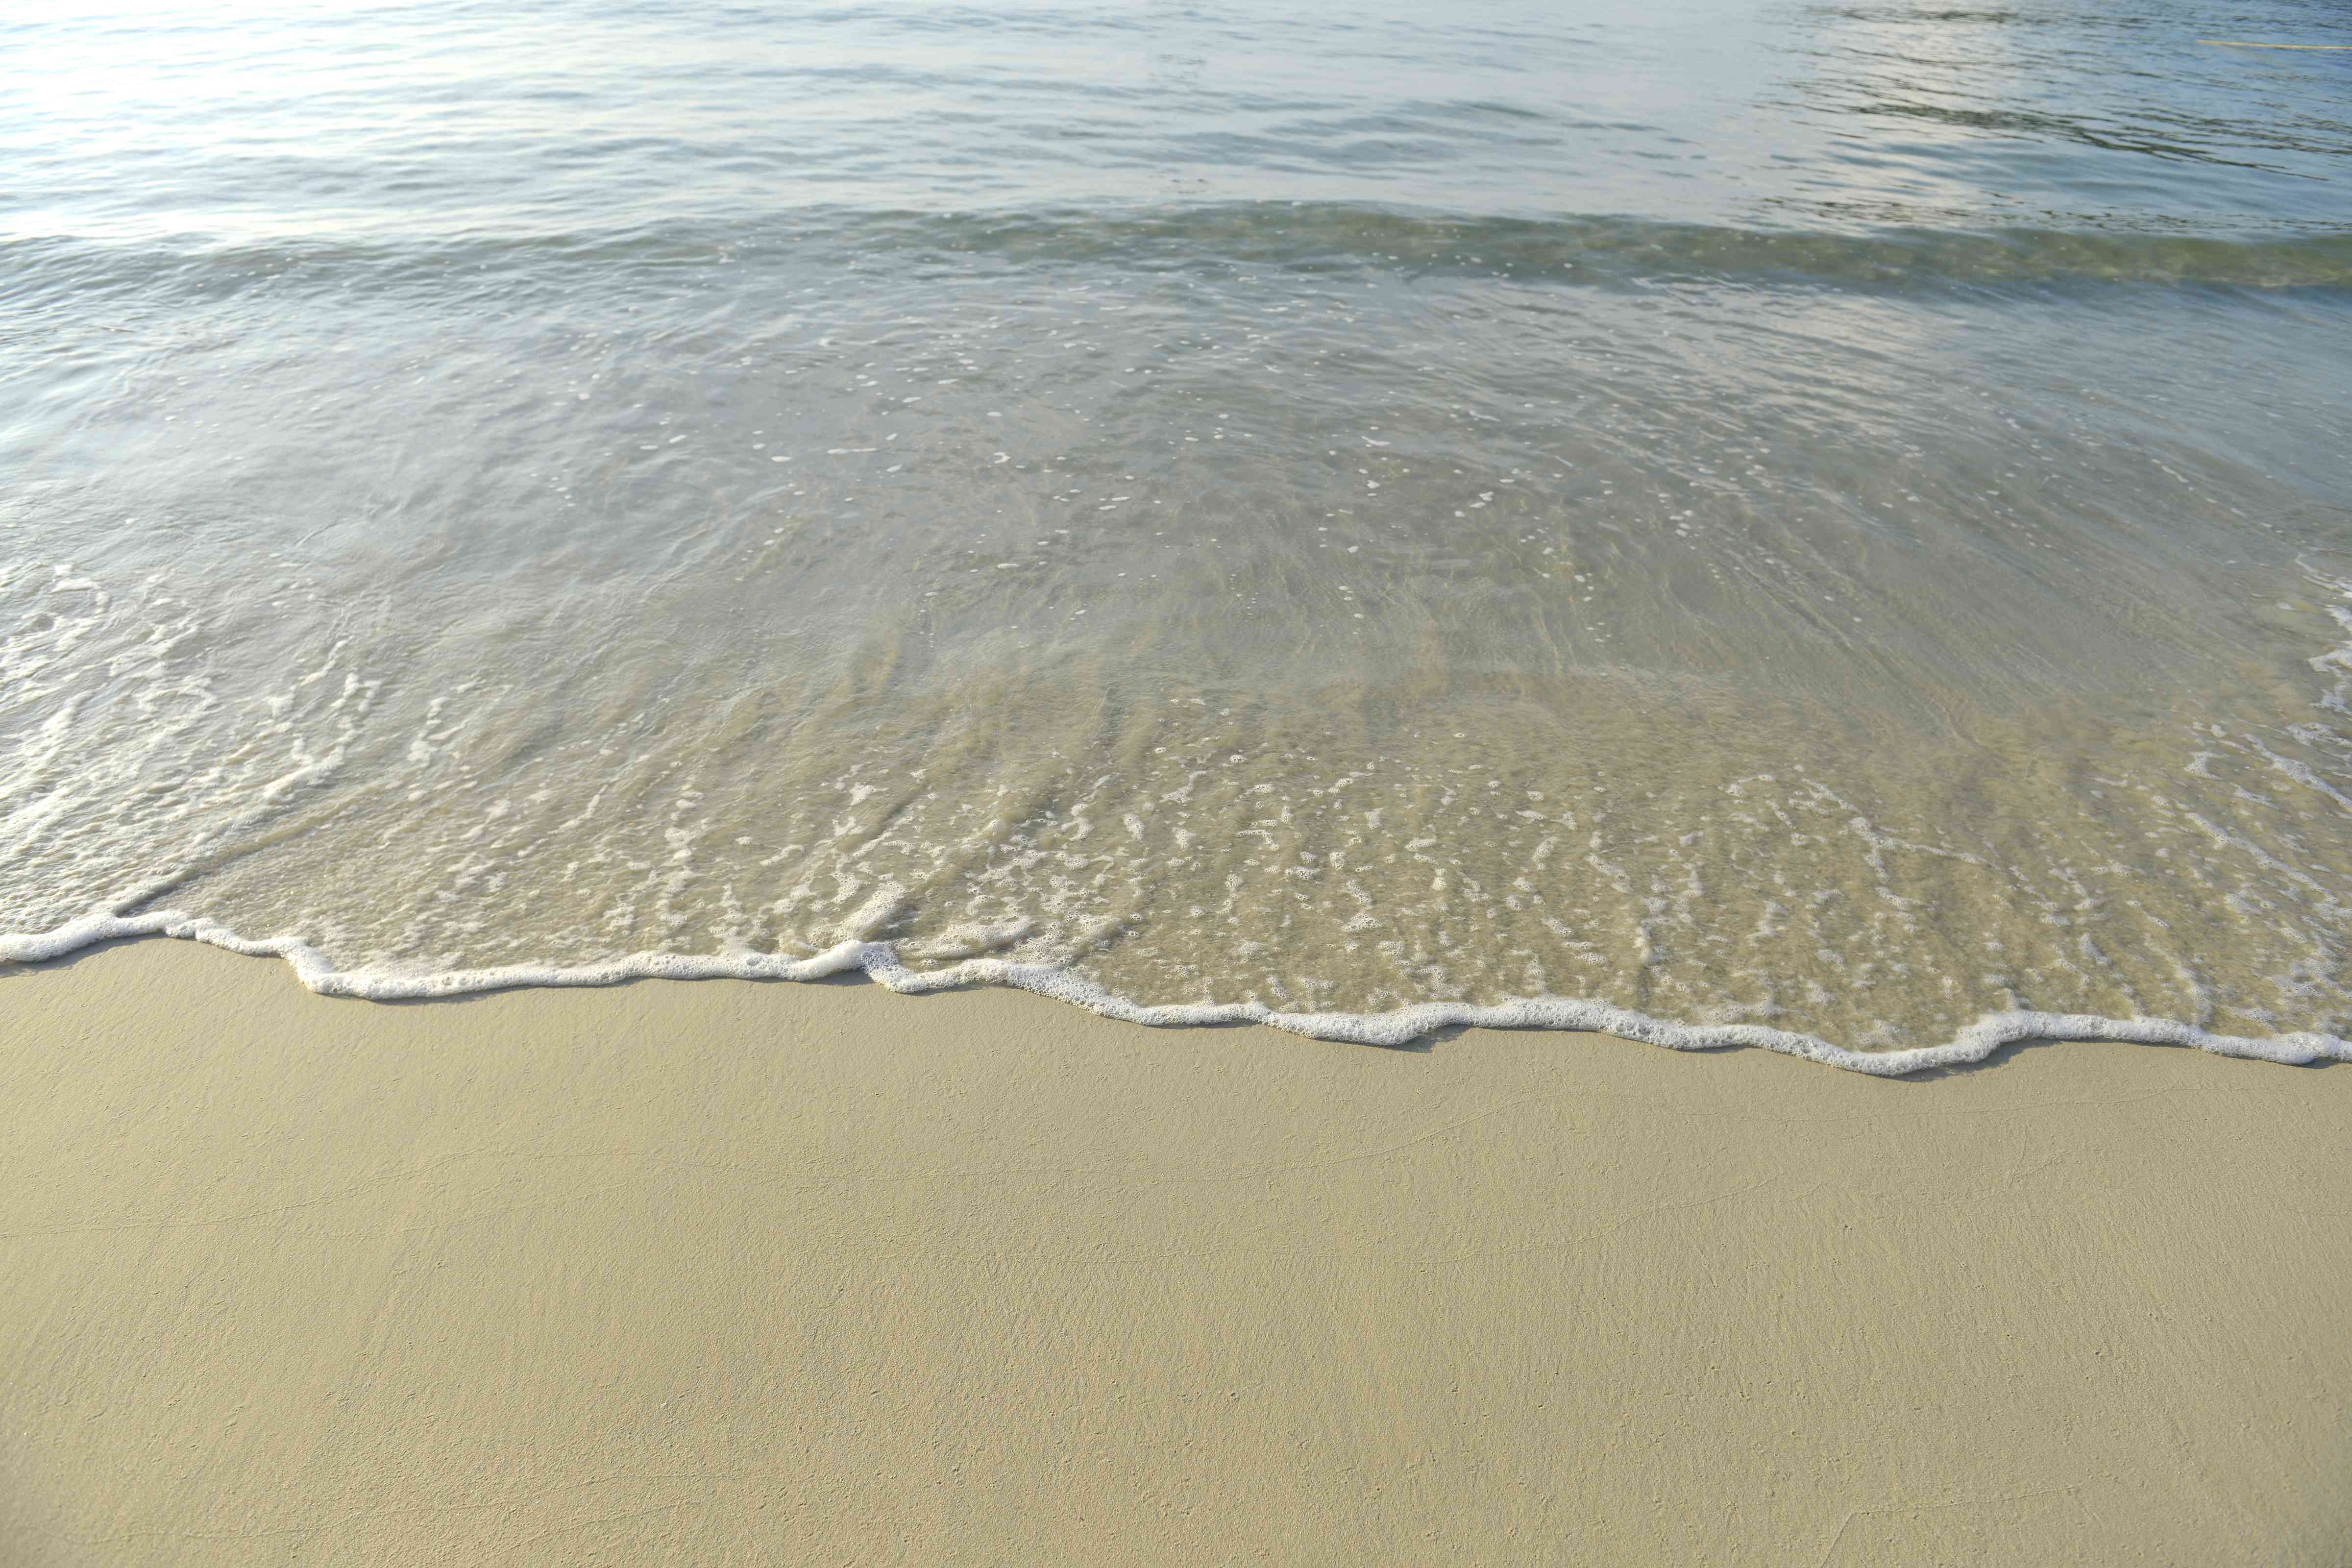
x,y
1845,531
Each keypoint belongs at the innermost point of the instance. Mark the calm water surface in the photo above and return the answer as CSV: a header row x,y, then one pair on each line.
x,y
1834,517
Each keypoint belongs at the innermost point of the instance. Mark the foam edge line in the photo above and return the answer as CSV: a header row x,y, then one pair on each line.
x,y
880,962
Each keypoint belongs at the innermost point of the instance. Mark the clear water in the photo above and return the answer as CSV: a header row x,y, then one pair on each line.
x,y
1826,519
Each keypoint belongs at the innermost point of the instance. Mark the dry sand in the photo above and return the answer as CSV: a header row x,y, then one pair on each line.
x,y
727,1273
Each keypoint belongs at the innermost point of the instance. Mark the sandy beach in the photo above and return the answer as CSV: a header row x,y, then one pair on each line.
x,y
721,1272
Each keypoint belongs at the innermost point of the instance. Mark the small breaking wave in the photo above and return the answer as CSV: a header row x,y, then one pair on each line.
x,y
1307,239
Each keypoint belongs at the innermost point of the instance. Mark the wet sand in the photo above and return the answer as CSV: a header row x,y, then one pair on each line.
x,y
724,1272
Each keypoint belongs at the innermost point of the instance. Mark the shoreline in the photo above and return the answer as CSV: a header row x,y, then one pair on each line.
x,y
730,1270
1404,1027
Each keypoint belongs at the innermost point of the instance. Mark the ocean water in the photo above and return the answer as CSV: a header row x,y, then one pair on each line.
x,y
1817,525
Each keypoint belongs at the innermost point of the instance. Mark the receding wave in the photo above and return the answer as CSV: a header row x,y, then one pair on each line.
x,y
1206,614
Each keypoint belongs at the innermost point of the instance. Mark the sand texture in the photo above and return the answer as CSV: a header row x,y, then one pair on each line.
x,y
729,1273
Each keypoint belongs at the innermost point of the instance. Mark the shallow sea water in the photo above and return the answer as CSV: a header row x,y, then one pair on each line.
x,y
1821,519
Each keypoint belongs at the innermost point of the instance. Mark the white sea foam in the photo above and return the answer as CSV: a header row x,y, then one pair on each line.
x,y
881,962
